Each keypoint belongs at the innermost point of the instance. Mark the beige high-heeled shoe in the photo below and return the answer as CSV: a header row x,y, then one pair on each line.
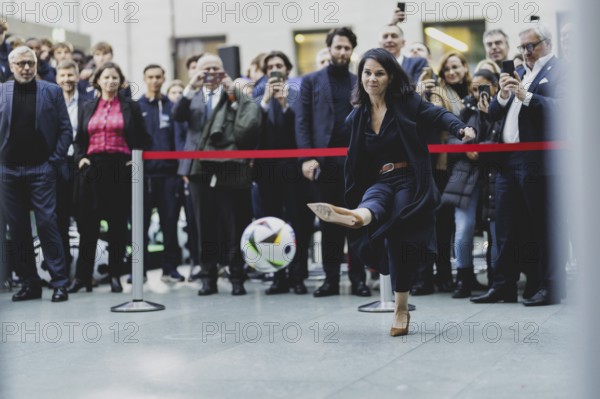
x,y
396,332
336,215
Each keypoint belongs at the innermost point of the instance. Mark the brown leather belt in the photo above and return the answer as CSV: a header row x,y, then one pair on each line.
x,y
388,167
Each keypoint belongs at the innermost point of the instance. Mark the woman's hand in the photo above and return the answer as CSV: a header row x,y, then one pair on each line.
x,y
468,134
483,104
473,156
425,85
83,162
128,163
309,168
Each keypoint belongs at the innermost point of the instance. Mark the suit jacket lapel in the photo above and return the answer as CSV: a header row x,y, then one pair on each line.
x,y
9,93
542,74
325,89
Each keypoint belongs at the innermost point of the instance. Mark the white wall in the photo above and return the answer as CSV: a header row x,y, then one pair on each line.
x,y
146,40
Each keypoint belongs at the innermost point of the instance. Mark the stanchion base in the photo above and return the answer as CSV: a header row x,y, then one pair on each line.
x,y
382,307
377,307
137,306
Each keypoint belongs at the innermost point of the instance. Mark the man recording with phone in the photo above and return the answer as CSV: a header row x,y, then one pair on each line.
x,y
526,103
219,117
281,185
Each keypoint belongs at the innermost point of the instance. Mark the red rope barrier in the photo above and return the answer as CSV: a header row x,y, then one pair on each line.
x,y
341,152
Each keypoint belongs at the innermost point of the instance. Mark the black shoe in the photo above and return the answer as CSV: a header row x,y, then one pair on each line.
x,y
495,295
464,279
462,290
28,292
209,287
115,285
327,289
78,284
531,289
542,298
278,288
360,289
60,295
237,288
300,289
421,289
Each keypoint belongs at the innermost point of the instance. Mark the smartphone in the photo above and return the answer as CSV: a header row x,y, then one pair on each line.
x,y
402,6
214,77
484,90
276,74
428,73
534,18
317,174
508,67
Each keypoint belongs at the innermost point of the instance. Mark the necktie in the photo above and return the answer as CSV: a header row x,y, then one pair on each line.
x,y
208,106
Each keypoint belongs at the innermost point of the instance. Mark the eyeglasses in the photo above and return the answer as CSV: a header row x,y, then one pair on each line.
x,y
22,64
529,46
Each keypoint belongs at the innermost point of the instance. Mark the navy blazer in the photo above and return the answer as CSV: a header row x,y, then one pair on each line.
x,y
51,118
413,66
535,120
314,110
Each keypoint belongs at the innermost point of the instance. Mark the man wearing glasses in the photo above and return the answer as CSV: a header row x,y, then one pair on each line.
x,y
526,103
35,134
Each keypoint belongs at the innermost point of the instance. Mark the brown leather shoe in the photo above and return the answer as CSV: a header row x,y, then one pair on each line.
x,y
336,215
396,332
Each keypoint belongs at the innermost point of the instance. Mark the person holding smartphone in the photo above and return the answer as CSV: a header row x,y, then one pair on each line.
x,y
280,183
525,104
220,189
470,177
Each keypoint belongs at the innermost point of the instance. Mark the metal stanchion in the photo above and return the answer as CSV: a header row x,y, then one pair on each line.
x,y
137,304
386,298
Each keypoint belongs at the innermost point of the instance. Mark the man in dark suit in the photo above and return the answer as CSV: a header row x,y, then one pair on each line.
x,y
392,39
281,186
35,134
525,181
67,76
320,123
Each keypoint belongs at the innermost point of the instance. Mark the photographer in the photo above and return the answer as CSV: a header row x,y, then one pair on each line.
x,y
219,117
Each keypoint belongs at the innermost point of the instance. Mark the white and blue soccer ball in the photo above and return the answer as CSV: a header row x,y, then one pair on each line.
x,y
268,244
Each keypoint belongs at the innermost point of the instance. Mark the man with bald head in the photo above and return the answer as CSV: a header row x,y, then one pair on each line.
x,y
219,117
392,39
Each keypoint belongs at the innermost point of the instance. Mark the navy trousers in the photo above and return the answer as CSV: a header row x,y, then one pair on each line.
x,y
524,200
23,188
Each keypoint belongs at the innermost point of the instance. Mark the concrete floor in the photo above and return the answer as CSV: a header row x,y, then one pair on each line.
x,y
284,346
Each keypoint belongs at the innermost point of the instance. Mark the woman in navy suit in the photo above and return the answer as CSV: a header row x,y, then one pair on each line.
x,y
388,175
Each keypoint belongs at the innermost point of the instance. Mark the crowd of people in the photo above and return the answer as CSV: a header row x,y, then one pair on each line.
x,y
69,125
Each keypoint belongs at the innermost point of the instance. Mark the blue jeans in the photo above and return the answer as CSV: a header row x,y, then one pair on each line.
x,y
465,219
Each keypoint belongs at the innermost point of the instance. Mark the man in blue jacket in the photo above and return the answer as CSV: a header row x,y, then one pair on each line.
x,y
35,134
160,176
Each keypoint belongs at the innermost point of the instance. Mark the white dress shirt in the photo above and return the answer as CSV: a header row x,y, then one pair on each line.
x,y
72,108
510,133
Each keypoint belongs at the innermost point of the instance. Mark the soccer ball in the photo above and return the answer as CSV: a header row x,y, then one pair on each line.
x,y
268,244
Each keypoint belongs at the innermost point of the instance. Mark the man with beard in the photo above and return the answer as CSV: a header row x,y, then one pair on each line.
x,y
320,123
